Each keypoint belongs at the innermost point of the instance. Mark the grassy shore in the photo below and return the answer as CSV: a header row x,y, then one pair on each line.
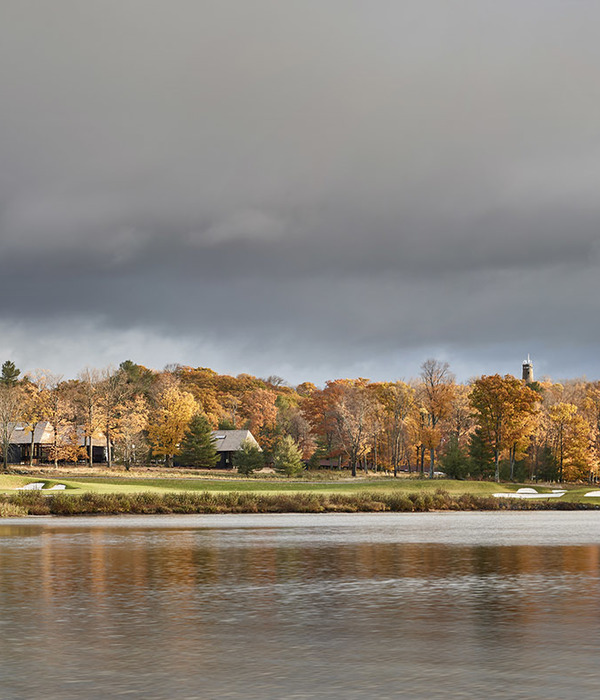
x,y
38,503
145,491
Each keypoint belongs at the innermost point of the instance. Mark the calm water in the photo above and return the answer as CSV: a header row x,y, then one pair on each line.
x,y
452,605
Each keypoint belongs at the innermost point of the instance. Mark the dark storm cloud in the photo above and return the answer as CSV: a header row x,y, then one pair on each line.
x,y
305,185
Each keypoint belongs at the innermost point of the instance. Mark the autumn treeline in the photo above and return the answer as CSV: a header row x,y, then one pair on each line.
x,y
492,427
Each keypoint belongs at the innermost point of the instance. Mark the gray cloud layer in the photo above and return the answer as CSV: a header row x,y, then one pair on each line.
x,y
318,188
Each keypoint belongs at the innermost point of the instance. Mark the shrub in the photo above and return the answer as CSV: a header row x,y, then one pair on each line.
x,y
11,510
31,503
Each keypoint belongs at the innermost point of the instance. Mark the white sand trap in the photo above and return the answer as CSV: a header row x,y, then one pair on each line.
x,y
35,486
57,487
526,489
592,494
529,493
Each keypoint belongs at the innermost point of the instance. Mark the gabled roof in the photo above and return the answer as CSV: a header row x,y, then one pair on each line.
x,y
44,435
21,435
231,440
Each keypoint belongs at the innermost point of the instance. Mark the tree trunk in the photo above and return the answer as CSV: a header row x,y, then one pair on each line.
x,y
31,446
375,454
560,458
497,460
512,462
108,450
431,462
560,470
353,466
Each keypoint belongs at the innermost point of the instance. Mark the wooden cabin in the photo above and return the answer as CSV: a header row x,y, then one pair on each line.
x,y
43,442
228,442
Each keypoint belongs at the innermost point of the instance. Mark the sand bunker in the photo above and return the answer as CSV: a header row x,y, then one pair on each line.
x,y
39,485
35,486
527,492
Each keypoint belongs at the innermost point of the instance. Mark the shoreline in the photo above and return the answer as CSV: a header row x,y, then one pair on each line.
x,y
33,503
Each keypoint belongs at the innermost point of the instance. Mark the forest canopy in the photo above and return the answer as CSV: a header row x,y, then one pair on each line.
x,y
491,427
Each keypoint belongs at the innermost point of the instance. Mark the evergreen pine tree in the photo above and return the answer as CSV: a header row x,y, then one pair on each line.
x,y
288,457
548,465
198,446
481,457
10,373
455,463
249,459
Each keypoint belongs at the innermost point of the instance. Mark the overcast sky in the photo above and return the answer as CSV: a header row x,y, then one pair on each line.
x,y
311,188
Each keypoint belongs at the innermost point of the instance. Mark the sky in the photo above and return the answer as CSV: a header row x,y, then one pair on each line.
x,y
310,188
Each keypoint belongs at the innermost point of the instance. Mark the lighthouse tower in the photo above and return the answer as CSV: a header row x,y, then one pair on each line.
x,y
528,370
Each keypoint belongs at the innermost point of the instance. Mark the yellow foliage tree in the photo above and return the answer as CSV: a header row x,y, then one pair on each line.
x,y
437,390
132,421
399,405
570,434
10,412
35,406
592,413
175,408
353,413
504,410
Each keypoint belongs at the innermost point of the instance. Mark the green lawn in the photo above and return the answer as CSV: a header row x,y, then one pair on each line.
x,y
9,481
577,493
99,484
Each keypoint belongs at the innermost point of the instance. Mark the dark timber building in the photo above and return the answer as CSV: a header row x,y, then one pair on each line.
x,y
41,440
228,442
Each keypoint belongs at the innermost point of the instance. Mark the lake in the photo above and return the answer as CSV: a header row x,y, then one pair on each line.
x,y
431,605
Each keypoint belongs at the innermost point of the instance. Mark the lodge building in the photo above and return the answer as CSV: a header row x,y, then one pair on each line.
x,y
21,443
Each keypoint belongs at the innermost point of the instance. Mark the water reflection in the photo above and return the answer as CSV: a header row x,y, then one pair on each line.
x,y
182,611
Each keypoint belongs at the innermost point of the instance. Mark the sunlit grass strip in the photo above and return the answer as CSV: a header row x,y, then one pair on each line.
x,y
137,485
38,503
